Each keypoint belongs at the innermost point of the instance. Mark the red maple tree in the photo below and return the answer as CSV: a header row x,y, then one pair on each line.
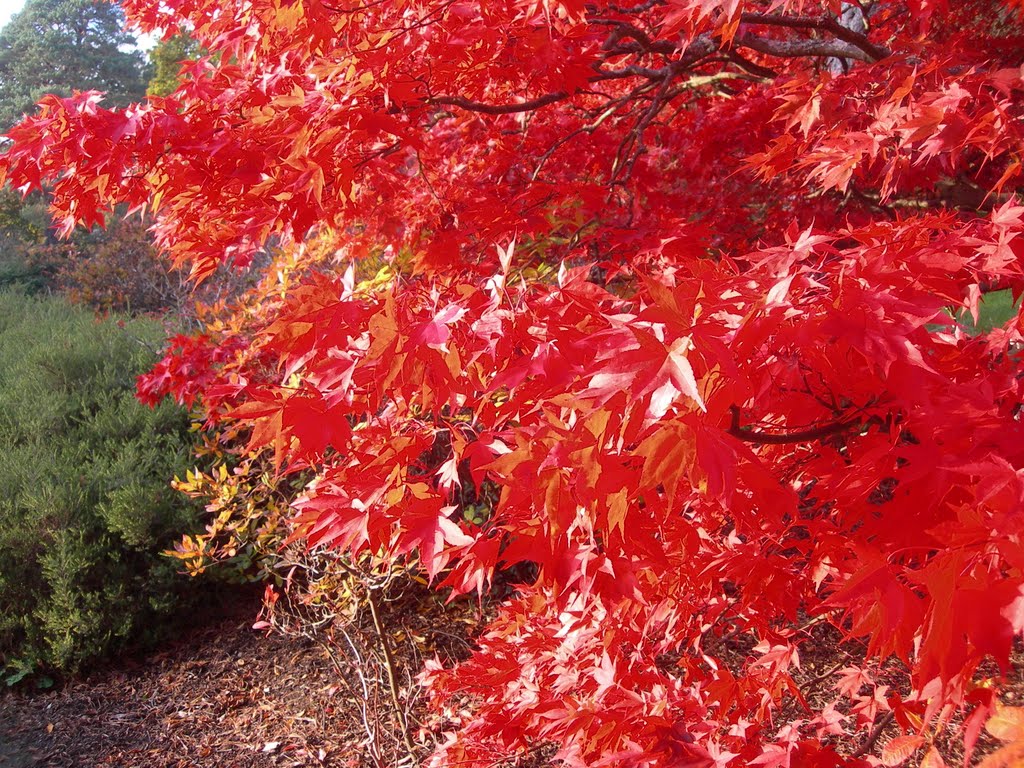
x,y
676,281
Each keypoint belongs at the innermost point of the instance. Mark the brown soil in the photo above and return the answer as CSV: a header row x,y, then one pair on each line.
x,y
227,696
223,695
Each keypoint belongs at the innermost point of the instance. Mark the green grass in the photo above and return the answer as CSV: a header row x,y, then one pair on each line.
x,y
994,310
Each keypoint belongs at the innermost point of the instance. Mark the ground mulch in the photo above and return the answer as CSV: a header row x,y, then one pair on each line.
x,y
224,695
221,695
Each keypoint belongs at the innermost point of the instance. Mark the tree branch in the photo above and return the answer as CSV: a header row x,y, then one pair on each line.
x,y
786,438
809,47
389,667
823,24
499,109
872,738
748,66
847,45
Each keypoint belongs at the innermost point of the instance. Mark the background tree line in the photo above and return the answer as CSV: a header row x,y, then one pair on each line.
x,y
57,47
87,505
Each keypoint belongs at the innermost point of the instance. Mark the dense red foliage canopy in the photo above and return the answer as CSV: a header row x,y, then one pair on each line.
x,y
674,283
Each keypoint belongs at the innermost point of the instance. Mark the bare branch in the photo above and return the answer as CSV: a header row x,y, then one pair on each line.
x,y
748,66
787,438
499,109
389,667
872,738
823,24
845,44
788,49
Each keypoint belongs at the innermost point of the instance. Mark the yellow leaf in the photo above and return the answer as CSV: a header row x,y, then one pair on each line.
x,y
668,456
296,98
1007,724
617,508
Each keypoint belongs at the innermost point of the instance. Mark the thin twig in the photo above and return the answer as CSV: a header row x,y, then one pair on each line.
x,y
389,666
869,743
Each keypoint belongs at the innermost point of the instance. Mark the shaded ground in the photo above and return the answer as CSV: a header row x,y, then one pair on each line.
x,y
226,696
223,695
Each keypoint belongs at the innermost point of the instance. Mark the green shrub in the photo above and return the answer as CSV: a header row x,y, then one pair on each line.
x,y
85,501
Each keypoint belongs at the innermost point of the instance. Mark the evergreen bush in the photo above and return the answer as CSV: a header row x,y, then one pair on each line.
x,y
86,504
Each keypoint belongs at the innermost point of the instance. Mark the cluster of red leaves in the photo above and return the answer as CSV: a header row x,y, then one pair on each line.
x,y
739,406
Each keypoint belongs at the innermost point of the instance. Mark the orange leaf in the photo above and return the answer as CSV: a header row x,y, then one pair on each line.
x,y
932,759
1010,756
900,748
1007,724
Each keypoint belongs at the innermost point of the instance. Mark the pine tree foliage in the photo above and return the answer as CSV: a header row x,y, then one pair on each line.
x,y
57,46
